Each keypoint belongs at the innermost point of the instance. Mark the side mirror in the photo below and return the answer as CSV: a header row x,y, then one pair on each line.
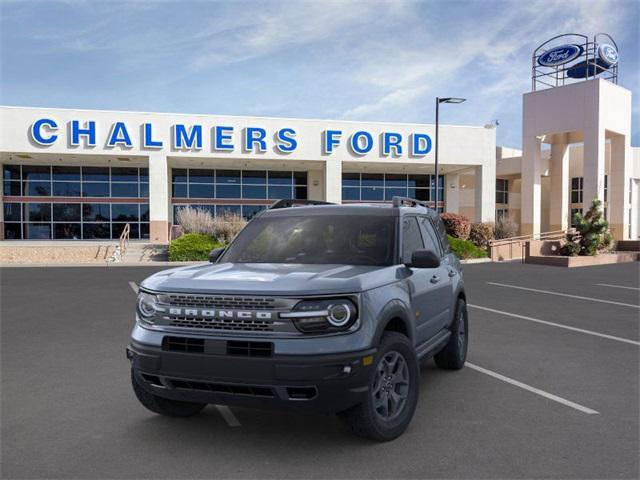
x,y
424,259
215,254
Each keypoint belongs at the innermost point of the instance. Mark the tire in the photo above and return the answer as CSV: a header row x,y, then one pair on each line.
x,y
454,353
368,419
164,406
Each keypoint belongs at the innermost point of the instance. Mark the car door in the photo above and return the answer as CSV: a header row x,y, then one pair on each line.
x,y
444,274
424,284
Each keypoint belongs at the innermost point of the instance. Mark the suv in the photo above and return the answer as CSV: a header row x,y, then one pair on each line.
x,y
319,307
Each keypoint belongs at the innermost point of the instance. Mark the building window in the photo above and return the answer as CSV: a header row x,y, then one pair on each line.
x,y
242,192
502,190
576,189
502,213
382,187
88,210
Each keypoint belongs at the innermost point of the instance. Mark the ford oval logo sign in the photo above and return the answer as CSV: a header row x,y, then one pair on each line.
x,y
560,55
608,54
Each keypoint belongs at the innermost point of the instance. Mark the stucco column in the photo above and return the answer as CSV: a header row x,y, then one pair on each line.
x,y
531,186
559,201
618,191
452,192
485,192
333,181
158,198
593,166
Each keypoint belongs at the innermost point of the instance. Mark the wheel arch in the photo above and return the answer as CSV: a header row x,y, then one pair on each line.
x,y
395,317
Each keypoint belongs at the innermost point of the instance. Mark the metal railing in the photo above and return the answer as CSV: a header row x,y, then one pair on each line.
x,y
123,241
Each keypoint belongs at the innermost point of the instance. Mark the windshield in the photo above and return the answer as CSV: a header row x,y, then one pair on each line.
x,y
341,239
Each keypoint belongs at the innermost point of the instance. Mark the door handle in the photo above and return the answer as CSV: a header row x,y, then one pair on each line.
x,y
452,273
435,279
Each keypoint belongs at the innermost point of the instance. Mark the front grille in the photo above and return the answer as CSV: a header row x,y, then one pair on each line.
x,y
222,324
183,344
253,390
250,349
222,302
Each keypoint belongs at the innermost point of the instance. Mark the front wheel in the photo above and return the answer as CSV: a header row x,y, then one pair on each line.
x,y
164,406
454,353
393,392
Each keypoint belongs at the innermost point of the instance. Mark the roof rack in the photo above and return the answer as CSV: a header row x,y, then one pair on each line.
x,y
403,201
292,202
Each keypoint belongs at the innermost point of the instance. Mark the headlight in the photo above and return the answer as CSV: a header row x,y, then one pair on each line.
x,y
147,303
323,315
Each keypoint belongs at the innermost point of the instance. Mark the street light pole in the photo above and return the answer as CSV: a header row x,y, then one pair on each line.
x,y
438,102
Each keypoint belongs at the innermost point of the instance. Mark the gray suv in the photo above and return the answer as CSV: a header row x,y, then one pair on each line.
x,y
314,307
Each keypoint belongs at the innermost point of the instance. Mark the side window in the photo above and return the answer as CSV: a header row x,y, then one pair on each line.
x,y
411,238
431,241
442,233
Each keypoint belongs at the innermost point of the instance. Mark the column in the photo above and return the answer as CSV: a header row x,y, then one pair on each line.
x,y
485,191
619,186
452,192
333,181
559,201
593,166
531,172
159,198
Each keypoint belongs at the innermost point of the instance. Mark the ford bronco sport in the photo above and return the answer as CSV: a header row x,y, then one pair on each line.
x,y
322,308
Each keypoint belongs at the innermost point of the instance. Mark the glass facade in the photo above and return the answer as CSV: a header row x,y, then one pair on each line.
x,y
382,187
243,192
77,202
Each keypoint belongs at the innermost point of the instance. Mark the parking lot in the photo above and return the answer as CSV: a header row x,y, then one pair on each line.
x,y
551,389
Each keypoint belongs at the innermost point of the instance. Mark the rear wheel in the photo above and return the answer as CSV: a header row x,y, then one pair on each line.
x,y
393,392
164,406
454,354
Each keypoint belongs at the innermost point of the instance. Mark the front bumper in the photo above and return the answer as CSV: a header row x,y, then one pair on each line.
x,y
320,383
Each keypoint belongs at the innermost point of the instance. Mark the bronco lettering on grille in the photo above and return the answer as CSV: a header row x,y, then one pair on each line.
x,y
209,313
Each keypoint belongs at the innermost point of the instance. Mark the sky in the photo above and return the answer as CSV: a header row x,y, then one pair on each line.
x,y
343,60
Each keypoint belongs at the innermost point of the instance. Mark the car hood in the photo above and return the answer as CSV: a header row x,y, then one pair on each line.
x,y
270,278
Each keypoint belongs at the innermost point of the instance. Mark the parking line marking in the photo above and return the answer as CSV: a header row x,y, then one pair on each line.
x,y
611,302
228,415
559,325
537,391
616,286
134,287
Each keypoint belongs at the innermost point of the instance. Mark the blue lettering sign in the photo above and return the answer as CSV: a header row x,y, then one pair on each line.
x,y
331,140
89,131
221,137
421,144
147,138
37,134
391,140
255,136
560,55
119,136
286,142
187,139
357,146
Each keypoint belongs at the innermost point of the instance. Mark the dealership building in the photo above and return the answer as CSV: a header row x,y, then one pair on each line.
x,y
85,174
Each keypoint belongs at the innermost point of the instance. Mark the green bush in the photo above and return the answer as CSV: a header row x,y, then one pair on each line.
x,y
592,233
192,247
465,249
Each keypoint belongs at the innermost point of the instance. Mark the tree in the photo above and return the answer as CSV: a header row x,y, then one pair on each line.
x,y
591,235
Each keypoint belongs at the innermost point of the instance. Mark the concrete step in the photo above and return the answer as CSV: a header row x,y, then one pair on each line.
x,y
145,252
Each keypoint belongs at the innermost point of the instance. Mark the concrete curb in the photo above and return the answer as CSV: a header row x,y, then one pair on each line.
x,y
471,261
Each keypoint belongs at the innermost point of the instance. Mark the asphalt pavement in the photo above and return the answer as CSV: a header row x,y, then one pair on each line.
x,y
551,389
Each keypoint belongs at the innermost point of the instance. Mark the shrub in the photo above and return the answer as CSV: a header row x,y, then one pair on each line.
x,y
192,247
223,227
481,234
464,249
505,228
458,226
591,235
195,220
227,226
